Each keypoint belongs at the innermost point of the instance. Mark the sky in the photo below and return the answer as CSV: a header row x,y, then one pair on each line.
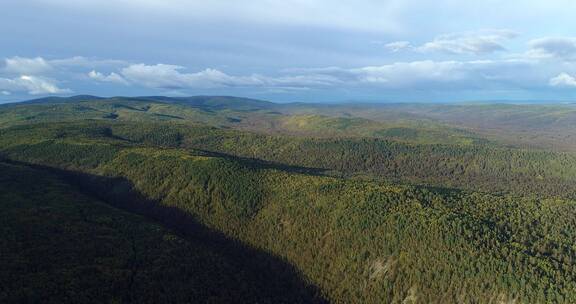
x,y
290,50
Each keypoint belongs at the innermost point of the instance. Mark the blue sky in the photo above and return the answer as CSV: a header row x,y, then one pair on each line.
x,y
290,50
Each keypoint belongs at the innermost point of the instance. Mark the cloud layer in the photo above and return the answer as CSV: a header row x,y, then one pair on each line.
x,y
563,48
563,80
547,64
419,75
20,65
473,43
24,75
33,85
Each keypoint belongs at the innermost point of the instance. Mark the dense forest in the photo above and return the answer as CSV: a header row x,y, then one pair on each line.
x,y
129,208
62,244
483,167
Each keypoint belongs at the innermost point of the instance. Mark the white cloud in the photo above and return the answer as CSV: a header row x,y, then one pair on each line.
x,y
420,75
477,42
30,75
553,47
166,76
112,77
40,65
398,46
438,75
6,93
563,80
410,75
471,43
84,62
36,75
21,65
37,85
33,85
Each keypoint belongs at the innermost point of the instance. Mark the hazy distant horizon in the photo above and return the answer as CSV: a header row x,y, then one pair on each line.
x,y
327,102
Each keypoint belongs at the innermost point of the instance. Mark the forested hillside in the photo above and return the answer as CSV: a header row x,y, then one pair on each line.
x,y
345,219
64,245
231,112
483,167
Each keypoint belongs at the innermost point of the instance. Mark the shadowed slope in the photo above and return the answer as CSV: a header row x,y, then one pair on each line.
x,y
64,246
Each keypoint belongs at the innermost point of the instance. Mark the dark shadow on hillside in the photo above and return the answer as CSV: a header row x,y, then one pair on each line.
x,y
269,279
257,163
